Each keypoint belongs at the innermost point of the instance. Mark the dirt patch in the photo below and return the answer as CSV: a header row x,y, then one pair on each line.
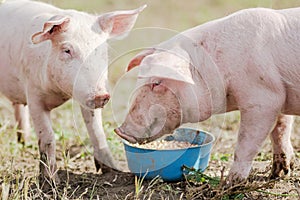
x,y
19,173
113,184
80,181
121,185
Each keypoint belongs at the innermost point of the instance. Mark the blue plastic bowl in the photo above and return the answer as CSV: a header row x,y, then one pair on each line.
x,y
168,164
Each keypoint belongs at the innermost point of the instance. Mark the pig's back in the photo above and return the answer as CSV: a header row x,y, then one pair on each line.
x,y
19,20
266,44
258,47
17,16
290,12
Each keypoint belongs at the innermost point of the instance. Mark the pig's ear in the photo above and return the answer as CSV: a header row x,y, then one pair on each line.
x,y
174,65
119,23
53,26
136,61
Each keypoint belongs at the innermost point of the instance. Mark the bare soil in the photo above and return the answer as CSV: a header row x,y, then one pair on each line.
x,y
121,185
79,180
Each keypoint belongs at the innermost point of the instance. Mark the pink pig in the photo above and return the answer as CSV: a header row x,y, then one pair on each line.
x,y
49,55
248,61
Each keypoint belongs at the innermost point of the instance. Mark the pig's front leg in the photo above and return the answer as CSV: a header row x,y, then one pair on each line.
x,y
254,128
22,119
46,140
102,154
283,152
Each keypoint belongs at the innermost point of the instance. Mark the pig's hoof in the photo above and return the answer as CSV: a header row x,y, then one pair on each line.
x,y
47,182
48,173
20,137
282,166
104,161
233,180
104,168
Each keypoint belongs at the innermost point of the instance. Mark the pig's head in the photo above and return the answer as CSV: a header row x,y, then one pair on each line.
x,y
164,97
77,62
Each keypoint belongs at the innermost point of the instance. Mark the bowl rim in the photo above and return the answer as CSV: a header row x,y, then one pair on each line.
x,y
192,147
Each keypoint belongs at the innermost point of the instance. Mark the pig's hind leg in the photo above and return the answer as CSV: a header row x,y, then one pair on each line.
x,y
282,148
22,119
102,154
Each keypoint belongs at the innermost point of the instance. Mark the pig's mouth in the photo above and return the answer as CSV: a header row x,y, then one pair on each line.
x,y
119,131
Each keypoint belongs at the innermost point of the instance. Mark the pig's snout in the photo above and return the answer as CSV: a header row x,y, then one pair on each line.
x,y
119,131
98,101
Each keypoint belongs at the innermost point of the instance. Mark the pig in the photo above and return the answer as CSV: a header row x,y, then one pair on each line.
x,y
247,61
49,55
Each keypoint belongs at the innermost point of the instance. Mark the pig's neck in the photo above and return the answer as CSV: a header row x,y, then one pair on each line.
x,y
208,92
195,103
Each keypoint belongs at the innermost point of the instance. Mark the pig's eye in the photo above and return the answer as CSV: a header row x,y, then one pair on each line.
x,y
67,51
156,83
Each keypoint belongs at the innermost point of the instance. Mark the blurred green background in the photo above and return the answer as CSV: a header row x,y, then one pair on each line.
x,y
173,14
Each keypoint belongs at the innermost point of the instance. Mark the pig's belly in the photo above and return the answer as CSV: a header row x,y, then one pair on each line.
x,y
14,96
13,89
292,103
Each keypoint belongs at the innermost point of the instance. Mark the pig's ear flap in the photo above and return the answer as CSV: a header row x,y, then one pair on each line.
x,y
136,61
174,64
119,23
53,26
